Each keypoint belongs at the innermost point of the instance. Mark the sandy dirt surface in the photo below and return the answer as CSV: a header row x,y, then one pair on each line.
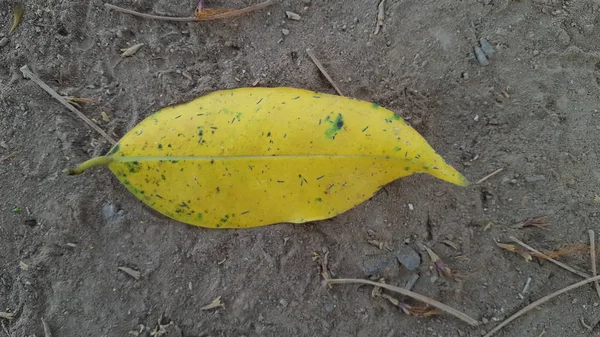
x,y
533,111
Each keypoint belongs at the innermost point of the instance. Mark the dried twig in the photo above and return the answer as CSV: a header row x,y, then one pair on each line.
x,y
593,258
489,176
560,264
323,71
225,15
28,74
380,16
411,294
540,302
47,332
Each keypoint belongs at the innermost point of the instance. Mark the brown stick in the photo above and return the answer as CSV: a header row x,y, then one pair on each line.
x,y
540,302
28,74
227,15
411,294
323,71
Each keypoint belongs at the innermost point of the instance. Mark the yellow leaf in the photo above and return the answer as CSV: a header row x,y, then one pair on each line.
x,y
18,9
257,156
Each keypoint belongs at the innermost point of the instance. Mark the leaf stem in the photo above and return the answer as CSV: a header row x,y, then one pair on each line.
x,y
97,161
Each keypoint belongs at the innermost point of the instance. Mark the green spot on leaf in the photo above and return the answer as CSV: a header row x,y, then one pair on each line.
x,y
336,126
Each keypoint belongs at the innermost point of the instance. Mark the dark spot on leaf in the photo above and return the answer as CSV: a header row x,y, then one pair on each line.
x,y
114,150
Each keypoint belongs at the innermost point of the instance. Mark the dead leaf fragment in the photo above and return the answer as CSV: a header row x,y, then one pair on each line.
x,y
6,315
18,10
105,117
216,303
441,267
376,243
131,50
512,248
133,273
24,266
539,222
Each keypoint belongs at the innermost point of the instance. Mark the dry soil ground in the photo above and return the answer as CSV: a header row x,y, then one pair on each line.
x,y
532,111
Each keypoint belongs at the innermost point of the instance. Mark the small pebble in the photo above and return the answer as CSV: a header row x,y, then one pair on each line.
x,y
486,47
411,207
329,307
283,302
408,257
292,15
485,320
285,32
3,42
480,56
465,76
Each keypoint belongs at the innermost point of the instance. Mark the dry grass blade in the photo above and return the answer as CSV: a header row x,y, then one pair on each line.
x,y
47,332
133,273
489,176
323,71
411,294
8,156
540,254
216,16
28,74
593,258
540,302
325,267
18,10
131,50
